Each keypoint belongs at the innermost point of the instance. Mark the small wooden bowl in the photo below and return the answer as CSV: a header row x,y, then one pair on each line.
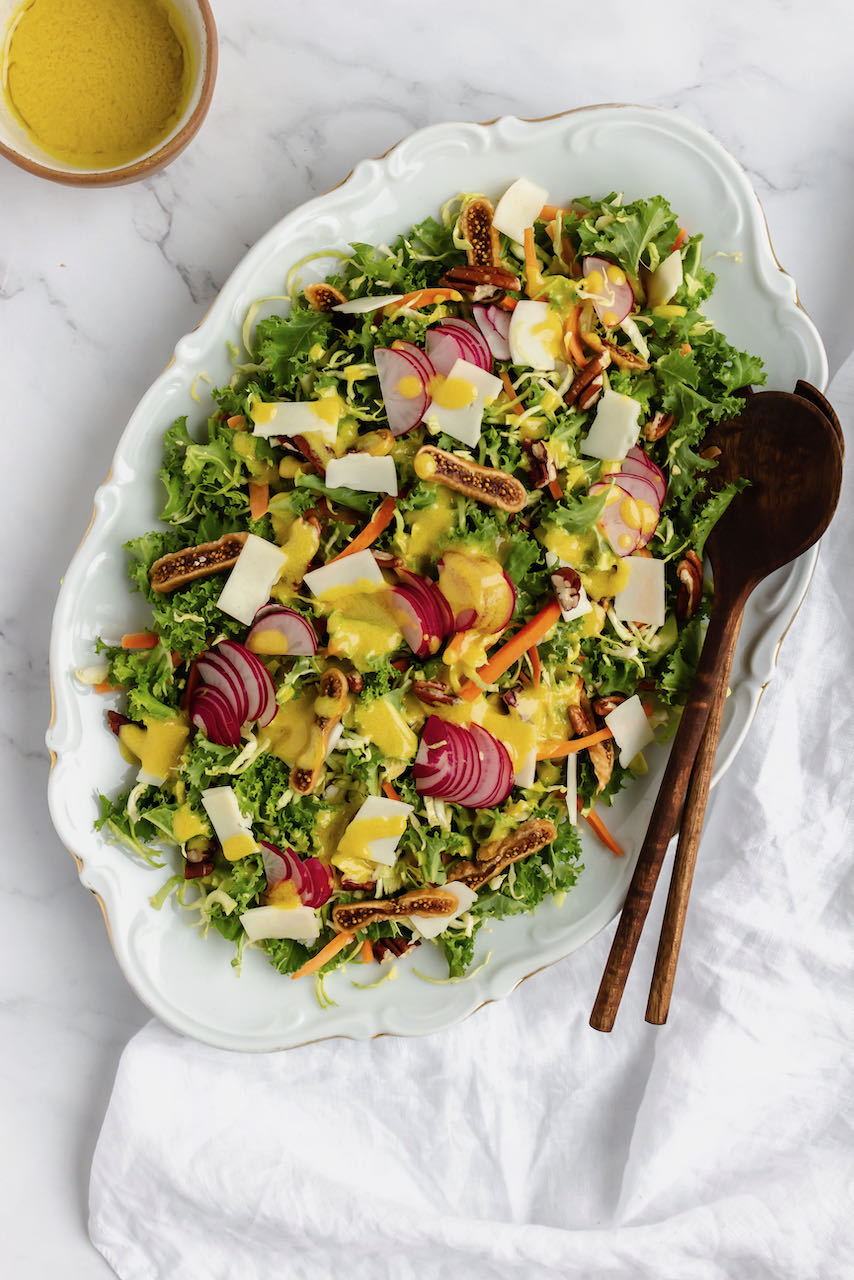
x,y
17,146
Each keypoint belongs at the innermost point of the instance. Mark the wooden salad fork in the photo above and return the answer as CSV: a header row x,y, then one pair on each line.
x,y
789,446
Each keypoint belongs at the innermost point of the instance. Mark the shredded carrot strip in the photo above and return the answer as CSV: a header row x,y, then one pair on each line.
x,y
140,640
685,348
555,489
326,953
104,686
508,303
380,520
424,298
511,392
367,951
391,793
680,239
237,422
535,665
570,336
554,750
603,833
533,275
549,212
259,500
531,633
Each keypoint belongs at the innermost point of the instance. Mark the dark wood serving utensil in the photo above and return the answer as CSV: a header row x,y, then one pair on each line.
x,y
791,451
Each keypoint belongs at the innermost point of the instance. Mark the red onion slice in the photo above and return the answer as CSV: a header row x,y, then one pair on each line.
x,y
403,412
494,324
614,299
290,629
211,711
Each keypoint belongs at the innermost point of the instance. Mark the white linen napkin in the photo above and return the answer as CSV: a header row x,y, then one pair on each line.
x,y
522,1143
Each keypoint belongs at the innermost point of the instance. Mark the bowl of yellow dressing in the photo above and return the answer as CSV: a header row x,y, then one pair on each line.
x,y
102,92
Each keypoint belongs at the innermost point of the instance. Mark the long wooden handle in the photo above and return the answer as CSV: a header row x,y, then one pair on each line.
x,y
691,829
715,663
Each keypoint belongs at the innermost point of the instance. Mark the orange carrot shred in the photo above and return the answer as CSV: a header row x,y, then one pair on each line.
x,y
603,833
508,303
391,793
535,665
367,951
680,239
104,686
511,392
237,422
549,212
326,953
685,349
570,336
555,489
424,298
503,658
259,500
140,640
380,520
554,750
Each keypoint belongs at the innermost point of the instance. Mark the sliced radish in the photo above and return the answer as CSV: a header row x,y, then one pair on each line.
x,y
311,877
454,340
613,297
434,603
404,388
621,520
494,324
467,766
211,711
255,677
645,495
638,462
417,619
497,780
420,357
216,671
278,631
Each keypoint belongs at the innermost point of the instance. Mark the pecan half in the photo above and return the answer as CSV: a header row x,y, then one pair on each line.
x,y
690,574
542,468
194,870
485,484
604,706
355,682
116,720
658,425
590,394
329,706
601,753
435,693
477,229
368,886
480,283
180,567
323,297
424,902
384,948
493,858
567,588
711,452
591,372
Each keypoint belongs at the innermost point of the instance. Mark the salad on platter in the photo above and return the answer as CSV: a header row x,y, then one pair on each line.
x,y
430,583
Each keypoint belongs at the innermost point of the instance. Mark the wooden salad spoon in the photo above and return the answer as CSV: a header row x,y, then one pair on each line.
x,y
791,451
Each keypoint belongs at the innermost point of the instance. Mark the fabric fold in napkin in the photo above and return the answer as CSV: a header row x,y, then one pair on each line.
x,y
521,1143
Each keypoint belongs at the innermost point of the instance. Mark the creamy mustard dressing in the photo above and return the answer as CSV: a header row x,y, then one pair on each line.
x,y
283,895
239,846
360,622
157,744
381,721
186,824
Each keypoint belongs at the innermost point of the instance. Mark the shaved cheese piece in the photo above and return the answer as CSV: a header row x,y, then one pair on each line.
x,y
361,306
363,472
665,280
335,736
526,774
346,572
518,207
615,428
630,728
432,926
642,598
572,788
297,418
248,585
376,811
299,923
232,829
459,401
535,335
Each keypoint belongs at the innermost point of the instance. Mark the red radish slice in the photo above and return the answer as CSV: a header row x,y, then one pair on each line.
x,y
319,890
396,368
471,338
463,766
255,678
624,537
420,357
444,350
614,298
497,766
638,462
220,674
453,757
415,624
494,324
498,607
312,879
640,487
435,604
211,711
465,618
292,633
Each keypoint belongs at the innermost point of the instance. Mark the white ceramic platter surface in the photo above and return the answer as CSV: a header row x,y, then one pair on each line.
x,y
189,982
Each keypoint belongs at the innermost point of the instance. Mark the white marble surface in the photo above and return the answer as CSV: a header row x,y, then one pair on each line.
x,y
96,286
